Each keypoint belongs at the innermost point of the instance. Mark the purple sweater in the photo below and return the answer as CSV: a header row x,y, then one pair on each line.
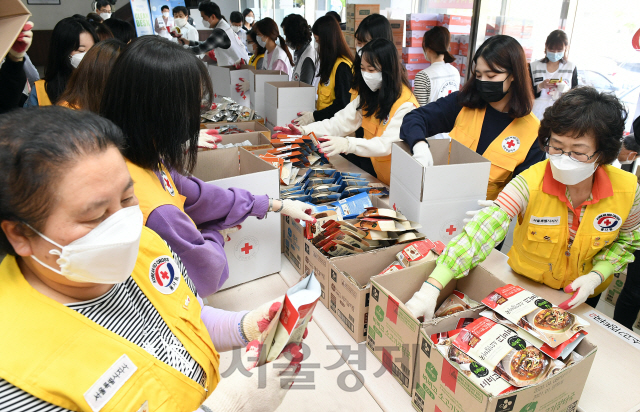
x,y
211,208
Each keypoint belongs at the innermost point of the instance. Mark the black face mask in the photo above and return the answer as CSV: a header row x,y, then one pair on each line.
x,y
491,91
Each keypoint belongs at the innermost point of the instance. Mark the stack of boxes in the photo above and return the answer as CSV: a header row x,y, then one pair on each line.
x,y
355,14
397,28
520,29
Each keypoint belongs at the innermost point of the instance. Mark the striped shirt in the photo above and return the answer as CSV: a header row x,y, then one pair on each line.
x,y
126,311
422,88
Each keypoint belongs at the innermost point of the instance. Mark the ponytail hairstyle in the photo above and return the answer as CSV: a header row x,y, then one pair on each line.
x,y
268,27
331,45
437,39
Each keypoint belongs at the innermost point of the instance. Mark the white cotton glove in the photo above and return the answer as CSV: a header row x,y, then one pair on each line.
x,y
304,118
258,320
208,139
334,145
265,388
422,154
290,129
297,210
22,43
423,302
584,286
473,213
226,232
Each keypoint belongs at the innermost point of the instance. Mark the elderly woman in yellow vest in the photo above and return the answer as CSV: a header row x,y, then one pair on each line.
x,y
491,115
103,315
384,98
578,216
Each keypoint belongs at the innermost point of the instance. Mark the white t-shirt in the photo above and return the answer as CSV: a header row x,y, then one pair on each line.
x,y
436,81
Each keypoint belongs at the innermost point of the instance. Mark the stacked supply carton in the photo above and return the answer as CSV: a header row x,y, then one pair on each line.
x,y
518,28
358,12
397,28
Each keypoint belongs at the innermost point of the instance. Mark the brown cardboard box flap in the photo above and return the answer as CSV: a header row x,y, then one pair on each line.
x,y
13,16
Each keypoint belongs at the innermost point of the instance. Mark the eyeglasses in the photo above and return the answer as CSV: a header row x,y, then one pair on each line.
x,y
577,156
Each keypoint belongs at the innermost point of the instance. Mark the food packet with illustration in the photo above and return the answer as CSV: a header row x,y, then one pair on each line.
x,y
454,303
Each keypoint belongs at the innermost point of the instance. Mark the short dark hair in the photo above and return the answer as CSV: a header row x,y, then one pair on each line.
x,y
236,17
122,30
438,39
630,143
246,12
383,55
164,7
332,45
33,158
102,3
502,54
209,9
582,111
374,26
556,39
335,15
296,30
156,73
182,9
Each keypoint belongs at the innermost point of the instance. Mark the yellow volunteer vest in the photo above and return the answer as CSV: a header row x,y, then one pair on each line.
x,y
507,150
539,248
151,193
374,128
43,97
58,355
327,92
253,61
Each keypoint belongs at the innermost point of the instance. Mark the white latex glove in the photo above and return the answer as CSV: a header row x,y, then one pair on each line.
x,y
288,130
473,213
334,145
422,154
22,43
297,210
208,139
584,286
304,119
264,390
423,302
226,232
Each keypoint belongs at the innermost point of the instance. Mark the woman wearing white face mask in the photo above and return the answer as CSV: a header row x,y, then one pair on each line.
x,y
183,28
554,74
383,99
248,19
70,40
164,23
108,293
578,216
277,55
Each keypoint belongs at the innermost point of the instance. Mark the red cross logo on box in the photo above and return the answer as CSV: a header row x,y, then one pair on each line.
x,y
247,248
450,230
511,144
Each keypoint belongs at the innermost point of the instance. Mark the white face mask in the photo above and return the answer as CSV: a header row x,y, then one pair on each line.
x,y
248,19
106,255
105,16
236,28
570,172
76,59
627,162
261,42
373,80
358,49
180,22
206,24
165,14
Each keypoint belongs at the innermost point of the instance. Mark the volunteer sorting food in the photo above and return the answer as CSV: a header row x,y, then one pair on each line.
x,y
384,98
102,309
183,210
258,52
277,55
578,216
491,115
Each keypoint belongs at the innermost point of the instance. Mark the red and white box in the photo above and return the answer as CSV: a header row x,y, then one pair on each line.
x,y
416,253
421,21
413,55
454,44
456,24
463,42
413,69
414,38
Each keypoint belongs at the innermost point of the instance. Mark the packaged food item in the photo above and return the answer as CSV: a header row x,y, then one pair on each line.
x,y
454,303
489,381
535,315
439,247
501,350
393,267
416,253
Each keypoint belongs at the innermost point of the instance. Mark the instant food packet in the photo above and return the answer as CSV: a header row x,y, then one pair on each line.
x,y
454,303
561,351
535,315
501,350
489,381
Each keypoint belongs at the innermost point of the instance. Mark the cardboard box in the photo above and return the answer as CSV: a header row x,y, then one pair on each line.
x,y
438,197
254,250
617,283
439,386
351,25
254,125
413,69
413,55
454,19
258,79
13,16
351,40
421,21
224,80
397,27
360,11
257,139
284,100
414,38
454,44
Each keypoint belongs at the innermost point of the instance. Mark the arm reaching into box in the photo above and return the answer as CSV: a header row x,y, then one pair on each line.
x,y
345,122
431,119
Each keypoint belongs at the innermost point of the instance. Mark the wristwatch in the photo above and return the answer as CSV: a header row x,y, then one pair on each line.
x,y
271,206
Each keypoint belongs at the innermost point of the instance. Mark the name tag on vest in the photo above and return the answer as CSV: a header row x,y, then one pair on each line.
x,y
545,221
109,383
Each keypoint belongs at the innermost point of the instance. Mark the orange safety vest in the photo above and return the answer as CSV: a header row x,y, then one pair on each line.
x,y
375,128
540,241
43,97
507,150
62,357
327,91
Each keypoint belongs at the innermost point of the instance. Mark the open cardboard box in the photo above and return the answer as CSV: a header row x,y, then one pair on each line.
x,y
258,141
438,385
258,80
438,197
254,125
224,80
13,16
254,250
284,100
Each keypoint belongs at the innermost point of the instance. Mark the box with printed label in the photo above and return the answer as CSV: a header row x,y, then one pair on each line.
x,y
254,250
615,288
414,38
393,330
413,55
252,126
397,27
284,100
361,11
421,21
351,39
438,197
413,69
439,384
